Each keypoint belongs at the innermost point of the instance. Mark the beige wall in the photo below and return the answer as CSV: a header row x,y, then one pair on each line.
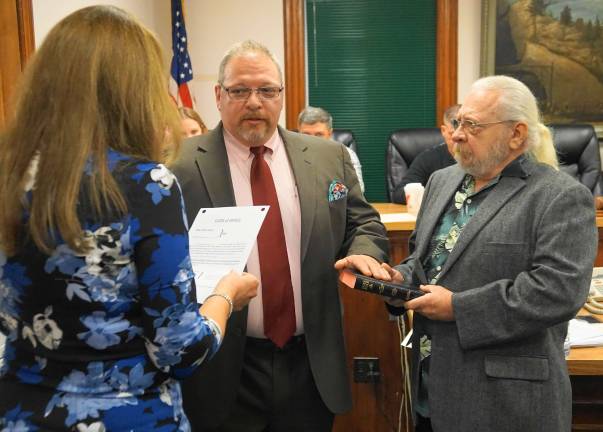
x,y
214,25
469,18
155,14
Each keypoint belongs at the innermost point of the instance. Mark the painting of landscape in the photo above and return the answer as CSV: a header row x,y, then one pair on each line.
x,y
556,48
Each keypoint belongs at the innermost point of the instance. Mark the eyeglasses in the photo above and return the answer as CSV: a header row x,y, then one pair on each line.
x,y
243,93
471,126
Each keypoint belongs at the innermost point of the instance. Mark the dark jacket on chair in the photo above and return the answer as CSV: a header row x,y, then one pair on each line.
x,y
421,168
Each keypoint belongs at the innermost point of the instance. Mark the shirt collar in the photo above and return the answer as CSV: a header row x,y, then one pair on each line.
x,y
242,152
516,168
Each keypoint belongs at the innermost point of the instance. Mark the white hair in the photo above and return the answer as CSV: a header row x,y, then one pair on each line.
x,y
517,103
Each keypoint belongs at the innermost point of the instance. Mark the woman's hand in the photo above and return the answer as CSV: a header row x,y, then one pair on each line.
x,y
241,288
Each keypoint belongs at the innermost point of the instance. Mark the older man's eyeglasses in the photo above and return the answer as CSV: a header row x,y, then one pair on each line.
x,y
243,93
471,126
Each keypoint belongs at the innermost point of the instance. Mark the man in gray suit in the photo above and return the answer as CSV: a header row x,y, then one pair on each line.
x,y
503,248
258,382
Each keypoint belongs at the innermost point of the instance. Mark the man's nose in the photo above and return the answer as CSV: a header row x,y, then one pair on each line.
x,y
254,100
458,134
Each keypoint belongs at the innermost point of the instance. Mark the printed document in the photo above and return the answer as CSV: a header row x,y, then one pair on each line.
x,y
220,240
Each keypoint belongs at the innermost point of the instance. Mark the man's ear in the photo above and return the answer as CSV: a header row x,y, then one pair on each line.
x,y
519,136
443,129
218,94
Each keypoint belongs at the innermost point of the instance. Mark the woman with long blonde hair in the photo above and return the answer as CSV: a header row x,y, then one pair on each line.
x,y
191,122
96,288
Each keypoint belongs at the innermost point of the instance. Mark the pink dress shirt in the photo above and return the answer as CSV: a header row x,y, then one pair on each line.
x,y
239,160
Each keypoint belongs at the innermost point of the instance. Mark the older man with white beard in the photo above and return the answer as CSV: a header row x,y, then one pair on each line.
x,y
503,249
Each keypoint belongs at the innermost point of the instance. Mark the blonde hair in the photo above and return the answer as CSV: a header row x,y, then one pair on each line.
x,y
516,102
97,82
190,113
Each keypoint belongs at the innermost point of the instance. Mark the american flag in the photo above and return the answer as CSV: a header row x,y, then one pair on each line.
x,y
181,69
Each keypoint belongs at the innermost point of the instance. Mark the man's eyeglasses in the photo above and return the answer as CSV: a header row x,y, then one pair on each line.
x,y
471,126
243,93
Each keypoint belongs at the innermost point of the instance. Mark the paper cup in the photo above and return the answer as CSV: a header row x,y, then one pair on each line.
x,y
414,196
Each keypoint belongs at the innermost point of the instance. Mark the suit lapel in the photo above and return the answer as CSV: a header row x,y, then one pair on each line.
x,y
305,179
506,188
212,161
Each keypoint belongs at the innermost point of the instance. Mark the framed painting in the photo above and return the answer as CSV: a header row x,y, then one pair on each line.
x,y
555,47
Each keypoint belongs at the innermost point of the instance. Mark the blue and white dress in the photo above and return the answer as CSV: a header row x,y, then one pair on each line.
x,y
97,341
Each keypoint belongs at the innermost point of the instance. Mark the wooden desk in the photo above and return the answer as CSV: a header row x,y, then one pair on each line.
x,y
586,360
400,231
585,365
370,332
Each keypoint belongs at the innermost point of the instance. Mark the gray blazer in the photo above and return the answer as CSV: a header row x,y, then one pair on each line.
x,y
519,271
329,231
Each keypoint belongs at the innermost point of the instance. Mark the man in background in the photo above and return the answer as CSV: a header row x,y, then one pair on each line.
x,y
319,123
430,160
504,249
282,366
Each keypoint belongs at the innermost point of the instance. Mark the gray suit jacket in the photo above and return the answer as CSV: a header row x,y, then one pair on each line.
x,y
329,230
519,271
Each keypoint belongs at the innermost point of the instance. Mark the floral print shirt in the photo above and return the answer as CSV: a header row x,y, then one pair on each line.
x,y
451,224
96,341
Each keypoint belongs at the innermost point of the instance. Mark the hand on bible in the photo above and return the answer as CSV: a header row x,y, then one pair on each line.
x,y
364,264
435,305
396,277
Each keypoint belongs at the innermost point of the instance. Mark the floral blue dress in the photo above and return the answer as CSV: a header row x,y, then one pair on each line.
x,y
97,341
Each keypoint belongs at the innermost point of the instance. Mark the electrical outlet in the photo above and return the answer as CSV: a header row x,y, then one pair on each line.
x,y
366,369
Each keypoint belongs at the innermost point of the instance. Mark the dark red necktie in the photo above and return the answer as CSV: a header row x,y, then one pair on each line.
x,y
277,289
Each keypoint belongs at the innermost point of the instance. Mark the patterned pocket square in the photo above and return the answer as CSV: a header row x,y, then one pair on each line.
x,y
337,191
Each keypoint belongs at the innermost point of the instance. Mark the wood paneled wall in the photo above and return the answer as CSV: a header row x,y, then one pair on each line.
x,y
295,60
17,42
446,56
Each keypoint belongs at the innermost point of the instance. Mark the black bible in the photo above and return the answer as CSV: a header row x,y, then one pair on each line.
x,y
404,291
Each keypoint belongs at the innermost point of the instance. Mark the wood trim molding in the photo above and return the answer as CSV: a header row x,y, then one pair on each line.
x,y
2,101
295,69
26,30
446,56
11,64
295,60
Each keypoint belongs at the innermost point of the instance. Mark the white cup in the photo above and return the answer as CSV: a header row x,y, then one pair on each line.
x,y
414,196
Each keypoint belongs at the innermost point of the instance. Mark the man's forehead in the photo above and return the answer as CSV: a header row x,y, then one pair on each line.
x,y
478,102
251,65
315,126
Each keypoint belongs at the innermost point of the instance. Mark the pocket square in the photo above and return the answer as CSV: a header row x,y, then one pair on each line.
x,y
337,191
